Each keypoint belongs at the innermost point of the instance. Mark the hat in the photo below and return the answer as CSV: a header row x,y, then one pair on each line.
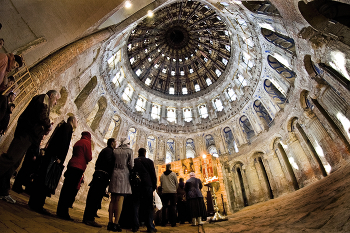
x,y
192,174
124,141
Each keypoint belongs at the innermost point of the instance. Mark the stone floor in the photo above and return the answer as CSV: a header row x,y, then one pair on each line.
x,y
320,207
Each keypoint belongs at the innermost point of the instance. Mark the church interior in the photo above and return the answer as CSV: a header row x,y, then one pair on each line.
x,y
251,96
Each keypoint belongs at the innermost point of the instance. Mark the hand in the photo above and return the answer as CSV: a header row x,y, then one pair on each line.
x,y
58,161
34,158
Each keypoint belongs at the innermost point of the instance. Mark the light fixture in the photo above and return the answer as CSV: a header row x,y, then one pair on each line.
x,y
204,156
150,13
128,4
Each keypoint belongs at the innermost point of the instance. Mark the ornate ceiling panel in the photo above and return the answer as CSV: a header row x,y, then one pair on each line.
x,y
183,49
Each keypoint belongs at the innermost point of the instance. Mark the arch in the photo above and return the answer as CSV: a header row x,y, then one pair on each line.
x,y
284,42
170,151
328,17
282,156
275,94
190,148
90,86
132,136
281,69
238,169
262,169
263,114
296,128
151,147
113,128
61,101
246,127
230,141
95,116
210,145
261,7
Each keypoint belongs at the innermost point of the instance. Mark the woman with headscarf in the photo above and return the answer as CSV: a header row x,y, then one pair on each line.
x,y
119,185
195,200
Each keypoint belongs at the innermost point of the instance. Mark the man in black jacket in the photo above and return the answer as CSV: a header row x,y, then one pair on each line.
x,y
33,123
55,152
144,193
100,180
4,103
4,123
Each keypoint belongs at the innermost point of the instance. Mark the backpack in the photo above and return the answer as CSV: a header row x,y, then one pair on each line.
x,y
135,179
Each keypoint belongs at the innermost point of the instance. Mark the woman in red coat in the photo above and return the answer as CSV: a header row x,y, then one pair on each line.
x,y
82,155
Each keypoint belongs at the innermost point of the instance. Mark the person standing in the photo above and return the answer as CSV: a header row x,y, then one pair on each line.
x,y
100,180
195,200
82,155
169,183
32,125
144,193
8,62
120,184
6,119
5,102
55,152
181,202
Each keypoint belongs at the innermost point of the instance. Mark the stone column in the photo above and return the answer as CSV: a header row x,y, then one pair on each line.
x,y
322,142
305,172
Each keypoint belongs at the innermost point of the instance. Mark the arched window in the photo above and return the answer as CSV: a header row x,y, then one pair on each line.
x,y
151,147
187,112
230,141
217,104
141,104
231,94
261,7
132,133
203,111
240,81
262,113
210,145
90,86
275,94
126,97
281,69
113,128
170,151
114,60
279,40
155,112
119,77
190,148
247,61
247,127
171,114
95,116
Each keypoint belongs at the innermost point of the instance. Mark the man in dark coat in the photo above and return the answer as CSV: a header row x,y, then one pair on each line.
x,y
82,155
33,123
4,103
144,193
55,152
103,170
6,119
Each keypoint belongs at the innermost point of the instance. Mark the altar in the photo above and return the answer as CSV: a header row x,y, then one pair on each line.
x,y
208,169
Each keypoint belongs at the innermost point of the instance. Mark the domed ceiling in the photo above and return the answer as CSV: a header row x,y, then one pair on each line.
x,y
181,50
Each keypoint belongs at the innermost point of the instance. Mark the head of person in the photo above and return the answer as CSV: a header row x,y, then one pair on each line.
x,y
11,107
124,141
11,81
111,143
142,152
2,42
192,174
73,121
11,97
86,135
168,167
181,180
54,96
18,62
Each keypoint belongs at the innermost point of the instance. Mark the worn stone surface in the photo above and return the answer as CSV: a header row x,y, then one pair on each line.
x,y
319,207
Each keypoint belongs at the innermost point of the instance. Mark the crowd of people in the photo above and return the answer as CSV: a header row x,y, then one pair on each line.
x,y
42,168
